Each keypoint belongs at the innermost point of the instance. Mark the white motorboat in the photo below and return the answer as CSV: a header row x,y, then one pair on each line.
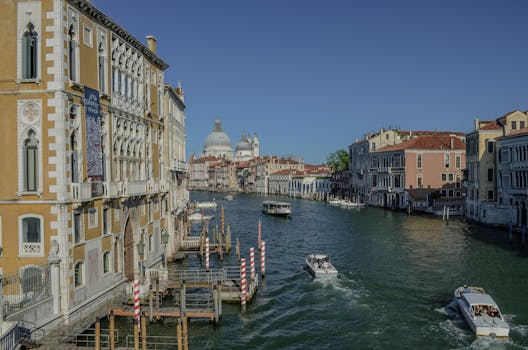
x,y
276,208
320,267
481,312
198,217
200,205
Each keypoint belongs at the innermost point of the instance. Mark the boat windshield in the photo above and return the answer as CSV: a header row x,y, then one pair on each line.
x,y
486,310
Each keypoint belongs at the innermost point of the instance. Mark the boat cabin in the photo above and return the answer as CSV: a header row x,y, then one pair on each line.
x,y
276,208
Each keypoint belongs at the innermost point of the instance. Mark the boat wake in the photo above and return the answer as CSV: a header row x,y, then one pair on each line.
x,y
348,289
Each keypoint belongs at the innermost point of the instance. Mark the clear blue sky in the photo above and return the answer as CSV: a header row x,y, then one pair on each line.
x,y
311,76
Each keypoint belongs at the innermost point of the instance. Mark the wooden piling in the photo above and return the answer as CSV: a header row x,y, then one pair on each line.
x,y
220,250
238,249
185,334
144,332
222,221
112,327
97,334
136,336
216,308
179,334
151,304
228,240
157,293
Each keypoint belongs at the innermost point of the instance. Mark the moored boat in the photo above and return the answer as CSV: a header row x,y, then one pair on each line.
x,y
276,208
205,205
481,312
320,267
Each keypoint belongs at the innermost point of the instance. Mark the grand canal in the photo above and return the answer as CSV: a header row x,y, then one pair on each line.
x,y
394,291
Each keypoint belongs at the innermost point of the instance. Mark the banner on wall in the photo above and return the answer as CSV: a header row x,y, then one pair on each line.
x,y
94,148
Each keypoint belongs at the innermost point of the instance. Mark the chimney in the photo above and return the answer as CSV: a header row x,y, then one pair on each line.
x,y
452,143
151,43
477,124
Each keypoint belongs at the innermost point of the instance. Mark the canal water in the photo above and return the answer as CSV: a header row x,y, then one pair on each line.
x,y
397,274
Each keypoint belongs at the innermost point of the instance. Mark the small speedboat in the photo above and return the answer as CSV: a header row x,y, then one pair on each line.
x,y
320,267
481,312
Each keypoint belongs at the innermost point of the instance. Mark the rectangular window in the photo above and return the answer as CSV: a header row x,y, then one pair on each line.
x,y
450,177
150,211
76,227
490,195
521,124
458,194
444,193
106,220
87,36
31,230
444,177
451,193
490,146
419,161
490,174
420,181
513,125
446,160
92,217
457,161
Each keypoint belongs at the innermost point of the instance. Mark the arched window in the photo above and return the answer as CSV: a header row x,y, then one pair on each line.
x,y
79,274
29,53
106,262
72,65
31,169
102,70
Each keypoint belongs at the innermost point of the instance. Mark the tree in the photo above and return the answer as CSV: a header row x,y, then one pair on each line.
x,y
338,160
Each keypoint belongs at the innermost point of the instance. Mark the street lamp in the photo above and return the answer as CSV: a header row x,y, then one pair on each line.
x,y
164,241
141,251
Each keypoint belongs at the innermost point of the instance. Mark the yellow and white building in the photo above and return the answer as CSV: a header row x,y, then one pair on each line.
x,y
90,164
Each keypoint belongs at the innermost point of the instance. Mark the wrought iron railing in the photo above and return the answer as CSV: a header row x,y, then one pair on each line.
x,y
29,286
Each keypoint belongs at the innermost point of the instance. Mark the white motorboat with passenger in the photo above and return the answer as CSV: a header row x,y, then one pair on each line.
x,y
481,312
276,208
320,267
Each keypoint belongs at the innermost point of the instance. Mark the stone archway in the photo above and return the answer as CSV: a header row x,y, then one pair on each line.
x,y
128,251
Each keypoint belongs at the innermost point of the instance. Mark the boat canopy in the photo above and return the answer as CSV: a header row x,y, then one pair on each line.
x,y
478,299
275,203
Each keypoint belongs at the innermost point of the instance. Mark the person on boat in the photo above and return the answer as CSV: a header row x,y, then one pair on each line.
x,y
477,310
493,312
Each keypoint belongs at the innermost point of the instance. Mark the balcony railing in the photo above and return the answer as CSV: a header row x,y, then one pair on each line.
x,y
396,169
134,188
152,186
82,191
112,189
164,186
179,165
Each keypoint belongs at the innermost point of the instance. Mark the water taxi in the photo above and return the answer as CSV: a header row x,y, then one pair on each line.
x,y
320,267
481,312
276,208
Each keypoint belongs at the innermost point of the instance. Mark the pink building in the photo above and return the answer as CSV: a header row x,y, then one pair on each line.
x,y
429,162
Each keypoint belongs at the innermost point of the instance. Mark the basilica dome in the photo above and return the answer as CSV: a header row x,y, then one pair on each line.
x,y
217,143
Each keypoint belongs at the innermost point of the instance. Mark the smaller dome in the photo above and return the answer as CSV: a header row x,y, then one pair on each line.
x,y
243,145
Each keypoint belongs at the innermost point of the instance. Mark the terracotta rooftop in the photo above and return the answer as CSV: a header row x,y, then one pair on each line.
x,y
437,142
518,132
490,125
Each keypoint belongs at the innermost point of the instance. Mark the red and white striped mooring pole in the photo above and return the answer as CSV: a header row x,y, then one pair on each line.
x,y
243,282
263,259
252,263
137,314
207,254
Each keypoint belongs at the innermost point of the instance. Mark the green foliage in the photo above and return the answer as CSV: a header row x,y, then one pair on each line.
x,y
338,160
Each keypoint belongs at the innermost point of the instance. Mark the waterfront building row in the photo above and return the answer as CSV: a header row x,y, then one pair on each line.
x,y
482,174
264,175
95,140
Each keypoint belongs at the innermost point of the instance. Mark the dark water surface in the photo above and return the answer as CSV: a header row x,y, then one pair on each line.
x,y
397,274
